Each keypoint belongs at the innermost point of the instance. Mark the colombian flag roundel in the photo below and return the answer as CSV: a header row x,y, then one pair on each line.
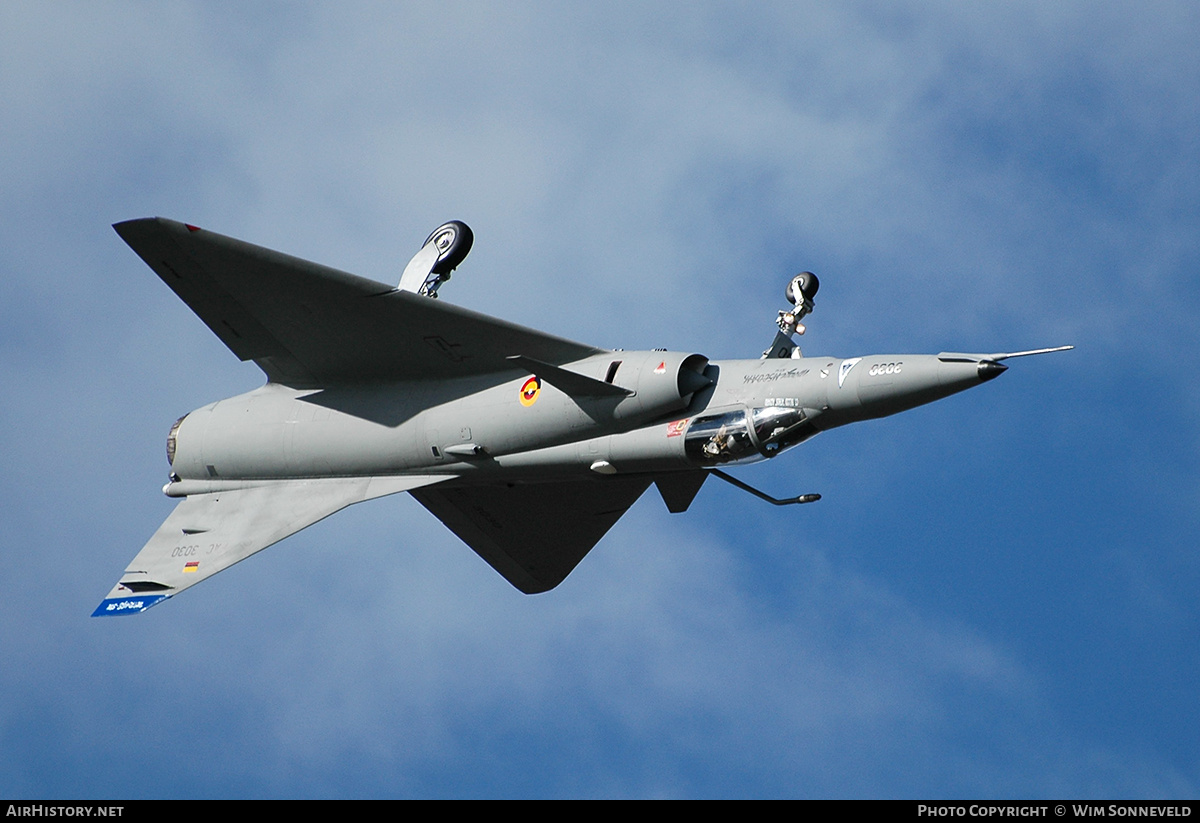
x,y
529,391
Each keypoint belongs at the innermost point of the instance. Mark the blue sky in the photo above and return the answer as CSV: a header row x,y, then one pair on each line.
x,y
996,596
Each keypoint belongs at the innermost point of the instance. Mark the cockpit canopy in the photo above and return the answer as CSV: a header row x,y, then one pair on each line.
x,y
746,434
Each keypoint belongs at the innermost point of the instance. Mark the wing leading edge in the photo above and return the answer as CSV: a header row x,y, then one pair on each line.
x,y
309,325
208,533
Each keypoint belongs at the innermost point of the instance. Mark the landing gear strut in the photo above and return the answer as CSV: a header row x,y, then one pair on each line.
x,y
800,293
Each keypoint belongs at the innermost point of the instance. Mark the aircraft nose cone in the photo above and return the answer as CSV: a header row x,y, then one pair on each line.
x,y
989,369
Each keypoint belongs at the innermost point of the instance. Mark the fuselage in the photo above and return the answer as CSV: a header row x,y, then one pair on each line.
x,y
476,426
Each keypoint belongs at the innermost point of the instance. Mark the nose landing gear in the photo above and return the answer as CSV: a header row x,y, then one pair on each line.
x,y
800,293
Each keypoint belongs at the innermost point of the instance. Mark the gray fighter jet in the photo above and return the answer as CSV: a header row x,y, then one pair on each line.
x,y
527,446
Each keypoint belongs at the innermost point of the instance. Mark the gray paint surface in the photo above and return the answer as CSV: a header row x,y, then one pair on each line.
x,y
527,446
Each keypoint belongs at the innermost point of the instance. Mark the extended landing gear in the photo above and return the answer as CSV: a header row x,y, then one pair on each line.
x,y
442,251
800,293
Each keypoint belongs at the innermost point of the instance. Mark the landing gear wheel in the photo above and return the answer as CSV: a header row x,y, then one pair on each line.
x,y
803,287
453,241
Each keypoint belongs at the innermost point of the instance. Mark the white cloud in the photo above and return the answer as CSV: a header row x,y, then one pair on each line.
x,y
999,176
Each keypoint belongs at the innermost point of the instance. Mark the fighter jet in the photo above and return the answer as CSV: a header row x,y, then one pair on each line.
x,y
527,446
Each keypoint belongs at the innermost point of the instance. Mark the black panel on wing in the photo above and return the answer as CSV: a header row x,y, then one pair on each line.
x,y
308,325
534,534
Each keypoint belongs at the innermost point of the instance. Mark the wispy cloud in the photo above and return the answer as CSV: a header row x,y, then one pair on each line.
x,y
993,599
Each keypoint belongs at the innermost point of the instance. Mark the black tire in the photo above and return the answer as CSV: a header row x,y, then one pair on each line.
x,y
807,284
453,247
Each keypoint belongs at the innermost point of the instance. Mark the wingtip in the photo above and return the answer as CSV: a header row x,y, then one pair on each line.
x,y
123,226
129,228
135,221
116,606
